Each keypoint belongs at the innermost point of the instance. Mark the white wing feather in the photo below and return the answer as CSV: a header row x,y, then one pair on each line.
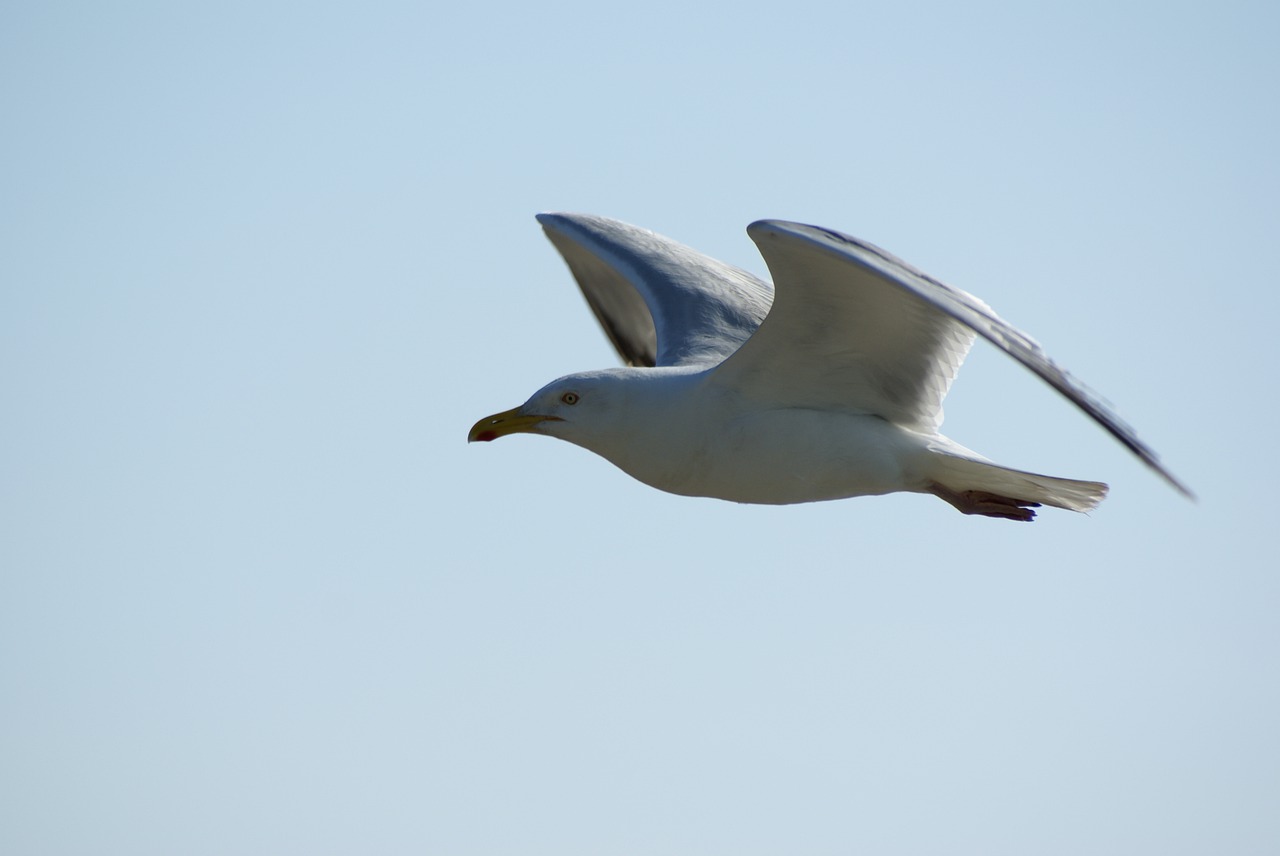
x,y
854,327
843,335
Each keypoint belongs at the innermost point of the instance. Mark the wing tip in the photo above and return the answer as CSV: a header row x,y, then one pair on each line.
x,y
1177,485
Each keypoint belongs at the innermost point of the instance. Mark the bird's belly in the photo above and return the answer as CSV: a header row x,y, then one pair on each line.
x,y
790,456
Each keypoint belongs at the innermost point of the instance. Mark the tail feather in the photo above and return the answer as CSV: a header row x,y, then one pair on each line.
x,y
960,475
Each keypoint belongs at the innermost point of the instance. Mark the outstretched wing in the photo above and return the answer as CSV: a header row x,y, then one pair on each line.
x,y
846,333
854,327
660,302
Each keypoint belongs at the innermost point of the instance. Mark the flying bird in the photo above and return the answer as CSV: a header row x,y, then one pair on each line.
x,y
825,385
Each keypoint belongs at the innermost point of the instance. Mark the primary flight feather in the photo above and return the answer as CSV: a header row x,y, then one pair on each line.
x,y
830,386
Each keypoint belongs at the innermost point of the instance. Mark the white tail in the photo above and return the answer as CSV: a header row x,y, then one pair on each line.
x,y
960,475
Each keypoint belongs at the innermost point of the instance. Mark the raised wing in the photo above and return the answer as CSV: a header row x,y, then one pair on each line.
x,y
844,334
660,302
852,326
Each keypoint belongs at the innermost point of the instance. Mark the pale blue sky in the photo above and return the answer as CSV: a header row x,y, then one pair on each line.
x,y
263,264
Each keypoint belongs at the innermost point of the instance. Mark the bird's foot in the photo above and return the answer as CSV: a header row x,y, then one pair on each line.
x,y
985,503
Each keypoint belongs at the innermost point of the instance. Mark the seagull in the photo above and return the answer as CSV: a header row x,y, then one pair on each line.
x,y
825,385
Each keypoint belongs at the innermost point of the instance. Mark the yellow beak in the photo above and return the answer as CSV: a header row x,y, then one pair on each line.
x,y
507,422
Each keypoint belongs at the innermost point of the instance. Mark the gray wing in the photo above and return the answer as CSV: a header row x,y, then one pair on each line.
x,y
854,327
659,302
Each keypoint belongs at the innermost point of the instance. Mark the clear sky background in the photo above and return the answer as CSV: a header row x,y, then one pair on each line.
x,y
263,264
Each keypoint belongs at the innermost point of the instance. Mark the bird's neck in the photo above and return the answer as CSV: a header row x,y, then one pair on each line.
x,y
660,431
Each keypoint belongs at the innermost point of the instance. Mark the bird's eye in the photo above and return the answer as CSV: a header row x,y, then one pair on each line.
x,y
570,398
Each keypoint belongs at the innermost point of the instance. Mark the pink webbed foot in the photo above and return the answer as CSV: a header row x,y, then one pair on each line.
x,y
986,504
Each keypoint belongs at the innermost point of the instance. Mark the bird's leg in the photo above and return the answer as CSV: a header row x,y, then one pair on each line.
x,y
985,503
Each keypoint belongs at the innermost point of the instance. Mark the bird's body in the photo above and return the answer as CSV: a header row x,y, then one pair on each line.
x,y
685,434
832,389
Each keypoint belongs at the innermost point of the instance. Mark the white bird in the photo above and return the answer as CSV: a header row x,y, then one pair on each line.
x,y
831,387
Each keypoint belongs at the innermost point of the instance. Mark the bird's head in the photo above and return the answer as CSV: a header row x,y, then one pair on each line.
x,y
573,408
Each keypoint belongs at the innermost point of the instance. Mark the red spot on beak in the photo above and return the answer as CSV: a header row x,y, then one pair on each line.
x,y
486,436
